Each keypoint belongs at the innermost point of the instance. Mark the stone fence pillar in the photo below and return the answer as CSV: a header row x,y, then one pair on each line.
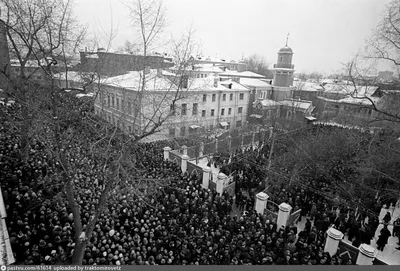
x,y
220,183
332,241
261,202
185,159
206,177
366,255
184,150
166,153
201,149
283,215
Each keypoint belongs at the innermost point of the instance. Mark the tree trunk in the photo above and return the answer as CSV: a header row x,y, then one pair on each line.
x,y
79,252
24,152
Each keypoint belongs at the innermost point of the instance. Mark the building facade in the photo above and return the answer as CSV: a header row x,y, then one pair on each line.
x,y
274,104
194,106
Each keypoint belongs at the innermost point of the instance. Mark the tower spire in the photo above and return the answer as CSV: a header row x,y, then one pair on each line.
x,y
287,38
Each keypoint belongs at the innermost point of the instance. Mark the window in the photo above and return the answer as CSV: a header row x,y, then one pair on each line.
x,y
203,113
184,109
212,112
204,97
239,124
268,114
222,111
108,100
289,114
130,129
172,109
229,111
213,97
224,97
183,131
195,109
171,131
278,112
202,75
241,96
112,101
231,97
240,110
117,104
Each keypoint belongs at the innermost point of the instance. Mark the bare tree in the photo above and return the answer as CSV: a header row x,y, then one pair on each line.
x,y
362,87
385,41
258,64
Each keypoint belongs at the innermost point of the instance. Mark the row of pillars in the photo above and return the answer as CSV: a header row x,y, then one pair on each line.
x,y
216,141
221,178
366,255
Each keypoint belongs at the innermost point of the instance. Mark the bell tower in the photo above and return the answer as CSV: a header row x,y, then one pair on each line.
x,y
283,69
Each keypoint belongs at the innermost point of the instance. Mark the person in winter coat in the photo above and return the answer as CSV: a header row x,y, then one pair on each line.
x,y
383,238
387,218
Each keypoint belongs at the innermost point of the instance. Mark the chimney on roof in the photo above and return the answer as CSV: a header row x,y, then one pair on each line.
x,y
230,86
216,79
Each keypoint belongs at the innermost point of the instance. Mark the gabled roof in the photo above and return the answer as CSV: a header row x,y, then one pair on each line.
x,y
301,104
248,74
254,82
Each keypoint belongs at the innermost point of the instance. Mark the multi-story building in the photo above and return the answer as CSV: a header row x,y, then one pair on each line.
x,y
233,65
114,64
274,104
189,104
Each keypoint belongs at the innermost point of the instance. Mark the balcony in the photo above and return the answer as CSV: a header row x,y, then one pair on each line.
x,y
283,66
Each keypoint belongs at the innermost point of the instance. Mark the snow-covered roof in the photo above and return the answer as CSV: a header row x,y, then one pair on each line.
x,y
208,68
235,86
268,102
132,80
307,86
358,101
216,60
208,84
74,76
248,74
360,91
254,82
297,104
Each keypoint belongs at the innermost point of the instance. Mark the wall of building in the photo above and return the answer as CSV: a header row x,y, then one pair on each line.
x,y
4,56
306,95
112,64
235,110
281,93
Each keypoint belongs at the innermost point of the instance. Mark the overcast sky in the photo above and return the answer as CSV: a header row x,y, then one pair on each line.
x,y
323,33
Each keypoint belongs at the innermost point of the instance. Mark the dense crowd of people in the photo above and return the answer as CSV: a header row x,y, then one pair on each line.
x,y
179,224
